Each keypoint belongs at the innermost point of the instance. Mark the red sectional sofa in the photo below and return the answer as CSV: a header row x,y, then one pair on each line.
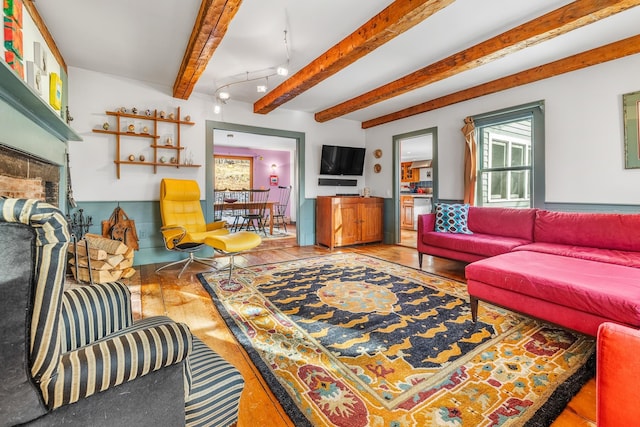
x,y
577,270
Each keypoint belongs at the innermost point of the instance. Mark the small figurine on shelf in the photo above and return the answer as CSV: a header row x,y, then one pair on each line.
x,y
131,128
68,115
105,126
163,159
145,129
131,157
173,160
141,158
162,114
187,118
134,110
169,141
123,110
171,116
147,112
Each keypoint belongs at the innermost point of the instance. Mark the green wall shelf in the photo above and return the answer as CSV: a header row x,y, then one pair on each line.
x,y
24,99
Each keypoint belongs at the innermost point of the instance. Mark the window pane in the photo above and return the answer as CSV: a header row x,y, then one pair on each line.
x,y
498,182
517,155
519,185
498,155
233,173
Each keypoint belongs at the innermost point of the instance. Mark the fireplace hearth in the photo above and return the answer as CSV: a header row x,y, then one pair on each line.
x,y
25,176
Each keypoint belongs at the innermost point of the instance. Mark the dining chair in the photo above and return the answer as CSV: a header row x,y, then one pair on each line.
x,y
254,216
280,208
218,197
239,196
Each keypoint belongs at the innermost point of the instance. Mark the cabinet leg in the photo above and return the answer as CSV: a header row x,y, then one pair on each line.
x,y
420,260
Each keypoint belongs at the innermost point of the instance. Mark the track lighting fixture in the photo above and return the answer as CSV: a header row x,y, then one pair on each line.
x,y
222,95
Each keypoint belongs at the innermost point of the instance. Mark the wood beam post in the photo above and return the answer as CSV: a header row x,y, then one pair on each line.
x,y
210,27
609,52
395,19
545,27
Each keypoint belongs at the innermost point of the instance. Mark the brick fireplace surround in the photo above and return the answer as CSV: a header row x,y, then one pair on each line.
x,y
25,176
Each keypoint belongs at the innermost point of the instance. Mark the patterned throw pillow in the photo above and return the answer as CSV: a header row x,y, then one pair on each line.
x,y
452,218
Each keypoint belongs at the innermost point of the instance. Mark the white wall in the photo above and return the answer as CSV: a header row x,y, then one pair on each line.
x,y
92,168
584,133
583,117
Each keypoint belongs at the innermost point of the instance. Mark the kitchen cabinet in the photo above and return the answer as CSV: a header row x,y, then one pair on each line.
x,y
344,221
406,212
407,174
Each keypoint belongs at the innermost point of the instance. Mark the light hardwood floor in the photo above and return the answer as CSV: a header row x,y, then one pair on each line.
x,y
185,300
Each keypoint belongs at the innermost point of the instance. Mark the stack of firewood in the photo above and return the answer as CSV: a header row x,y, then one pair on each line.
x,y
106,260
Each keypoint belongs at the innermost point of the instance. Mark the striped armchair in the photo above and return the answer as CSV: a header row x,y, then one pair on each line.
x,y
76,357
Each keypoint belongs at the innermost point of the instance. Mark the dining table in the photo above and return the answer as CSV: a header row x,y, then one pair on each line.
x,y
233,206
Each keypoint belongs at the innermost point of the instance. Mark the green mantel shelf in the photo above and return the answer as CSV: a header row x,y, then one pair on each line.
x,y
25,100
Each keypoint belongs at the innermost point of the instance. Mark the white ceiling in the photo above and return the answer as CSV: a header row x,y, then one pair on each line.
x,y
146,40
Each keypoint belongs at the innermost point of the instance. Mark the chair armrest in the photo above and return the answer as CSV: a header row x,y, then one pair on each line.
x,y
147,346
173,235
90,313
216,225
618,367
426,223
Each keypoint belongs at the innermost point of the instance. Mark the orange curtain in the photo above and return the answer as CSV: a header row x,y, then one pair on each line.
x,y
469,131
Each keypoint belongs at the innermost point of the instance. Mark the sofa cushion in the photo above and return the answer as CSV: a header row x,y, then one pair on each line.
x,y
452,218
480,244
508,222
599,230
608,290
611,256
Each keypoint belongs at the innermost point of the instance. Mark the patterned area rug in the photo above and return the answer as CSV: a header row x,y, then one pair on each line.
x,y
351,340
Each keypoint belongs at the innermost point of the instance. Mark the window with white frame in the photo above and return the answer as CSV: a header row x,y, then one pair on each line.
x,y
510,157
508,169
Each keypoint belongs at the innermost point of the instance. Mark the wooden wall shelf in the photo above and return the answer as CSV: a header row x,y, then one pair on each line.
x,y
153,134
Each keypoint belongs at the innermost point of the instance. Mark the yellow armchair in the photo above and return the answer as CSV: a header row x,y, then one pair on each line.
x,y
184,228
183,225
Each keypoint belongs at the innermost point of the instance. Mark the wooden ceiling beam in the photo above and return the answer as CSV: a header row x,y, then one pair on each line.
x,y
610,52
395,19
545,27
210,27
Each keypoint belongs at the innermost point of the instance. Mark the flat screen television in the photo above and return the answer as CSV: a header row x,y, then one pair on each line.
x,y
338,160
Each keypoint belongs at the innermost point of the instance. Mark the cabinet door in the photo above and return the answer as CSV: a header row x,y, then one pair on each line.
x,y
346,226
406,214
371,222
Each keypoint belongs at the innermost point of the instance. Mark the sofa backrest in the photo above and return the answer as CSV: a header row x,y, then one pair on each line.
x,y
48,255
20,399
509,222
598,230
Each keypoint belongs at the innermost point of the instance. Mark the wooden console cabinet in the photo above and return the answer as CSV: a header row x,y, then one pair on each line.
x,y
351,220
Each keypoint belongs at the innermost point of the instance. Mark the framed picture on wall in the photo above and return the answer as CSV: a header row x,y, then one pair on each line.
x,y
273,179
631,113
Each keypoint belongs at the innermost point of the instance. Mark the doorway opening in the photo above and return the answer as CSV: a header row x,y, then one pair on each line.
x,y
275,153
415,181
